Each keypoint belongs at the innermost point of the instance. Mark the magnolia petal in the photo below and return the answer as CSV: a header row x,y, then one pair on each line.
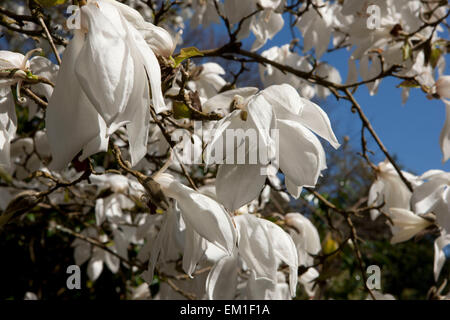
x,y
426,196
265,25
261,288
284,99
205,215
315,119
293,190
406,224
307,280
71,120
444,138
95,266
151,67
194,248
375,197
222,279
301,154
8,127
223,101
305,237
237,185
256,247
106,76
262,116
285,250
439,254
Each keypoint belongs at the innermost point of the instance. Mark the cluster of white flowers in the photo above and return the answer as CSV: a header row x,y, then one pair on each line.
x,y
112,90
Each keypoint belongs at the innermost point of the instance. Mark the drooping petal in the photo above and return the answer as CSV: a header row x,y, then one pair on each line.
x,y
194,248
284,99
8,127
223,101
71,120
426,196
237,185
406,224
301,154
375,197
285,250
222,279
105,68
204,214
444,138
307,280
315,119
305,237
439,254
255,246
265,25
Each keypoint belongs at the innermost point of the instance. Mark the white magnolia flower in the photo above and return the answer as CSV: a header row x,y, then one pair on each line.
x,y
270,75
317,26
262,246
24,67
98,90
8,127
264,25
204,13
207,80
444,139
305,236
85,251
380,296
275,115
204,220
406,224
434,196
439,254
390,189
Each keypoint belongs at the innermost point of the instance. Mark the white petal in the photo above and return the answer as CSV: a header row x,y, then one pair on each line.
x,y
194,248
444,138
71,120
306,237
205,215
439,255
237,185
285,250
314,118
255,246
406,224
222,279
106,76
427,195
301,154
307,279
222,101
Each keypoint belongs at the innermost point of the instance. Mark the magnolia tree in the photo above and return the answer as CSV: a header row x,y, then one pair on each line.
x,y
158,161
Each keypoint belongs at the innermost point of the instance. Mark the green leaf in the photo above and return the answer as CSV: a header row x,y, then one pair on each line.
x,y
409,84
180,110
186,53
50,3
434,57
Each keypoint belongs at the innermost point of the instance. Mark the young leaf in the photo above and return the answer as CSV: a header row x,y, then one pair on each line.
x,y
186,53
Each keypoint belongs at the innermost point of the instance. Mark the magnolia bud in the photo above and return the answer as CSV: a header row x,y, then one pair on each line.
x,y
158,39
